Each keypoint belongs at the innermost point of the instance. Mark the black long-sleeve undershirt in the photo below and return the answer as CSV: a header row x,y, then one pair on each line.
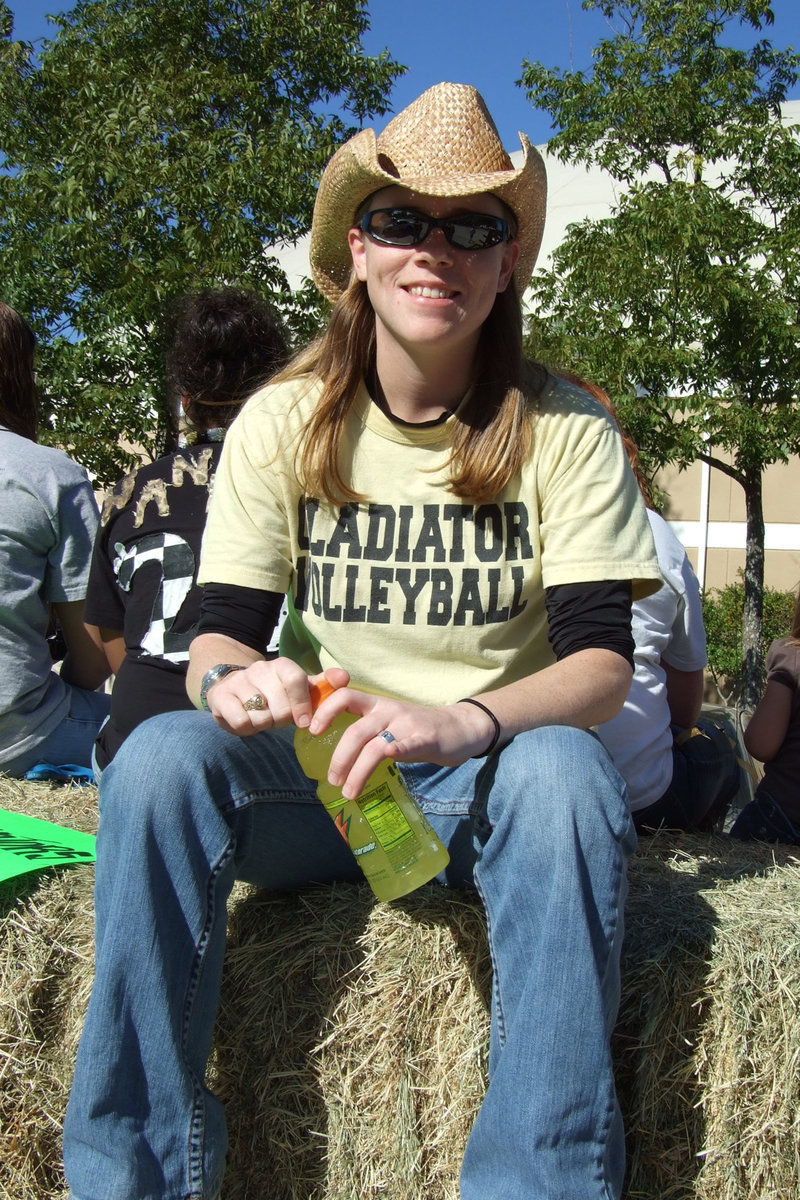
x,y
581,616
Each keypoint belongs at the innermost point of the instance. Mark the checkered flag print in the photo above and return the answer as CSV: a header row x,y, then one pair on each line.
x,y
177,562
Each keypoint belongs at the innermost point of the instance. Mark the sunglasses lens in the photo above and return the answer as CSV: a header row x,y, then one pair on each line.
x,y
396,226
404,227
476,233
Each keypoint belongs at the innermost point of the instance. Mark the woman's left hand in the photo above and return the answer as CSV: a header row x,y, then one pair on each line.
x,y
448,735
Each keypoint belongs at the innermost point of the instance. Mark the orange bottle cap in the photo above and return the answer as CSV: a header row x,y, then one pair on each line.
x,y
320,691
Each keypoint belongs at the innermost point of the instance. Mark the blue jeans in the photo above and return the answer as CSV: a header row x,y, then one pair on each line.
x,y
72,740
705,778
764,820
542,830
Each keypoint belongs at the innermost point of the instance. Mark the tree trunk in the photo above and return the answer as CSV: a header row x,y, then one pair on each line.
x,y
752,614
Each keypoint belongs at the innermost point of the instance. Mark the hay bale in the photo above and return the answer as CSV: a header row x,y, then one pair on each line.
x,y
46,959
708,1037
361,1073
351,1044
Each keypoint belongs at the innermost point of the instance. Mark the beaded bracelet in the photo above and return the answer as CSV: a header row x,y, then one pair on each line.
x,y
493,719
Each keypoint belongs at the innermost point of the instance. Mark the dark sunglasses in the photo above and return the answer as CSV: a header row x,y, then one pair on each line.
x,y
405,227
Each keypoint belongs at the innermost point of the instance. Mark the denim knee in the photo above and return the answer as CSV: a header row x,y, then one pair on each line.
x,y
151,767
552,781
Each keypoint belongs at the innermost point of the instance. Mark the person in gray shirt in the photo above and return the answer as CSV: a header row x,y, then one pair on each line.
x,y
48,519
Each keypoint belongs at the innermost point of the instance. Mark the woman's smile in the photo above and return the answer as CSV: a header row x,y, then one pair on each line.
x,y
431,292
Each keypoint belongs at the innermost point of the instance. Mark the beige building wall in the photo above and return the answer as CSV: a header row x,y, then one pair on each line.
x,y
707,512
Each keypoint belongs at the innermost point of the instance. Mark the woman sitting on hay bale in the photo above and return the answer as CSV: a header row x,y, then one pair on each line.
x,y
143,602
773,737
48,518
439,512
681,772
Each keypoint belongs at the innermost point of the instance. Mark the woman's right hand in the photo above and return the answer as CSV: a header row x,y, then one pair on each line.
x,y
266,695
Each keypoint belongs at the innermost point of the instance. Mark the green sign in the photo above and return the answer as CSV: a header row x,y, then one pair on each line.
x,y
28,844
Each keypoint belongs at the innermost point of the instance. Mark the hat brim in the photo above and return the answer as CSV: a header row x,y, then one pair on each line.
x,y
355,172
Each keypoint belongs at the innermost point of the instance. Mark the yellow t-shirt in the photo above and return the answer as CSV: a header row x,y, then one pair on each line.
x,y
417,593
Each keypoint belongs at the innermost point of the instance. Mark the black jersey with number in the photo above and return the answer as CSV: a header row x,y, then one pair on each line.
x,y
142,581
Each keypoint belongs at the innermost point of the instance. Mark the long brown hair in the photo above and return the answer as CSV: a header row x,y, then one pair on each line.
x,y
19,399
493,436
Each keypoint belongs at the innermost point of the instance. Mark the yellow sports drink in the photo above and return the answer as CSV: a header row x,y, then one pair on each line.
x,y
390,837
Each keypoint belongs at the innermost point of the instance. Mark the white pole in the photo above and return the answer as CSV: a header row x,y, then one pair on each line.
x,y
702,538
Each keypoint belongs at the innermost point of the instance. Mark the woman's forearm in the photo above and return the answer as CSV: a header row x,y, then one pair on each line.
x,y
583,690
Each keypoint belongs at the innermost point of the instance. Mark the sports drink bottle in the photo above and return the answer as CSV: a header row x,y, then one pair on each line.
x,y
389,835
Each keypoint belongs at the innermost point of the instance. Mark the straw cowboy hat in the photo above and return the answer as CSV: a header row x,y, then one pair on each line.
x,y
444,144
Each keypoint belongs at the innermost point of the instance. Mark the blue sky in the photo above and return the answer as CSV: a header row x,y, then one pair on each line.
x,y
482,42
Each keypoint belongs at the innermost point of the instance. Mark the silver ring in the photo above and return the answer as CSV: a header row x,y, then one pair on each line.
x,y
255,702
387,737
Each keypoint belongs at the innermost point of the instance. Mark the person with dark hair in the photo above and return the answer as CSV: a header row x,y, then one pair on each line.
x,y
681,770
48,518
19,395
459,536
773,737
143,601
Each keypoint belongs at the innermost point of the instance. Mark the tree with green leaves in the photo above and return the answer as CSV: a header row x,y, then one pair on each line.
x,y
685,302
722,617
150,148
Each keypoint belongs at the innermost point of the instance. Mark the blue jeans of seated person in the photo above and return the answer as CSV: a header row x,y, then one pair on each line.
x,y
764,820
542,830
705,779
72,740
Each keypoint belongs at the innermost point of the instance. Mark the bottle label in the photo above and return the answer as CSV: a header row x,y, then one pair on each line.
x,y
388,823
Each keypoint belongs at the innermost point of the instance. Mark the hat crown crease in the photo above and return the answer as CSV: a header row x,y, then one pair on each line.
x,y
446,131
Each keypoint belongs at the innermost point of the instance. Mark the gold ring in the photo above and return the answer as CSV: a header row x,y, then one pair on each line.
x,y
254,702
